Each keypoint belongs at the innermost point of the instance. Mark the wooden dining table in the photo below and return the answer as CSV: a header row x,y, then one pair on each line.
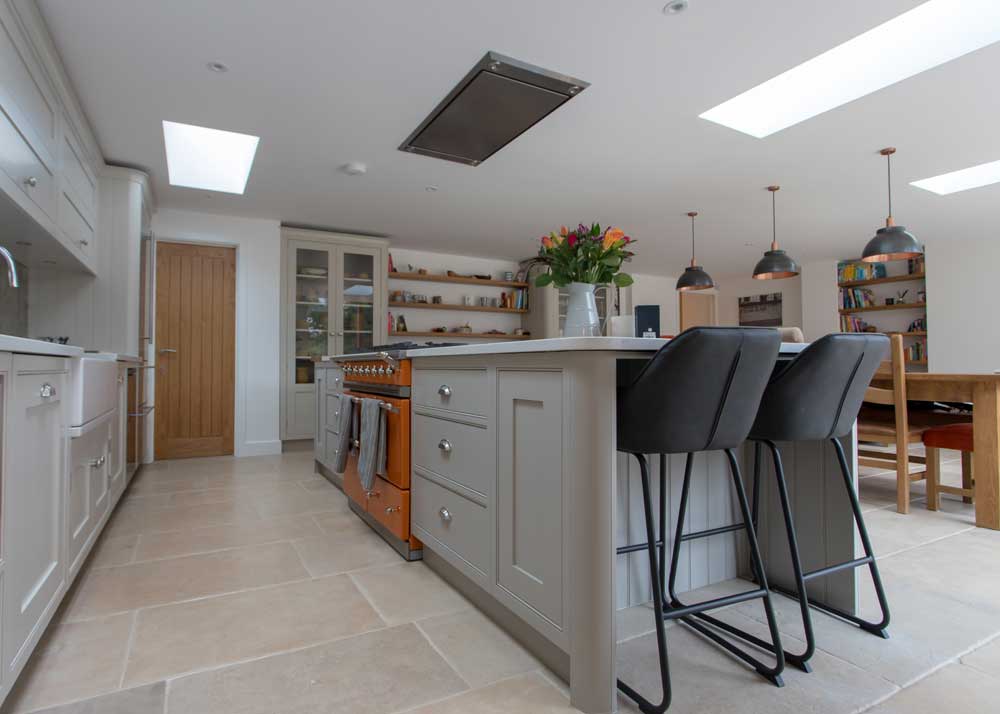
x,y
983,392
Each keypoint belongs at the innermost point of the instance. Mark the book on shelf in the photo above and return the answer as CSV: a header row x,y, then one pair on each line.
x,y
849,323
850,270
917,352
856,297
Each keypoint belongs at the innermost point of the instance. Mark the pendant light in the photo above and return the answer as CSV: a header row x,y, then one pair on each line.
x,y
776,263
694,277
892,242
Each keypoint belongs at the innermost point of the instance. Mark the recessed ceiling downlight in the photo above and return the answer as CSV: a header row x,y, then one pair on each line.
x,y
675,6
217,67
354,168
210,159
929,35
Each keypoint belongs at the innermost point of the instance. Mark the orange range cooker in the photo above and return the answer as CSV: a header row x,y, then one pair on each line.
x,y
386,506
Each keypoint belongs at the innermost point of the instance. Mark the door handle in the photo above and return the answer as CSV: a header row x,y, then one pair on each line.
x,y
168,350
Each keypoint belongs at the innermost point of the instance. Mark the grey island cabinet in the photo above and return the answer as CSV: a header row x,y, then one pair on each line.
x,y
521,498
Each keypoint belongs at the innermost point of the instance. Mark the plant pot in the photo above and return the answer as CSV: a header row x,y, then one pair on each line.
x,y
581,312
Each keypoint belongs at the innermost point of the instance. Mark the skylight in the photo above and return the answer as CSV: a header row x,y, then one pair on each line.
x,y
961,180
210,159
930,34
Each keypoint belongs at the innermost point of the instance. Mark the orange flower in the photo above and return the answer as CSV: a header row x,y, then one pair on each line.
x,y
547,242
563,231
612,237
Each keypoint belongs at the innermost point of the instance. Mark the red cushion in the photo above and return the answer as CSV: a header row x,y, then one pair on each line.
x,y
952,436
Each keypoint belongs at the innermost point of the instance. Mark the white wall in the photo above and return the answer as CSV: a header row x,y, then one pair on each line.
x,y
419,319
730,288
258,310
963,331
820,299
658,290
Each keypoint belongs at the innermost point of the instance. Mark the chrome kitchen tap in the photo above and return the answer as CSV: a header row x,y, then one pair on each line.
x,y
11,266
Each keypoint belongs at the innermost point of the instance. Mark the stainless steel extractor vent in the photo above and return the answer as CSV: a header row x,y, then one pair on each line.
x,y
496,102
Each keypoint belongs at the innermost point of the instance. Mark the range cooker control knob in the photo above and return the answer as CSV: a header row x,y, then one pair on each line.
x,y
389,370
380,370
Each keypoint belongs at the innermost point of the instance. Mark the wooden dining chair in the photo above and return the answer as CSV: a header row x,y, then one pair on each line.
x,y
891,427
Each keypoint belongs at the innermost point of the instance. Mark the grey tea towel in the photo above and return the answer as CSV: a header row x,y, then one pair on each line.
x,y
371,460
344,426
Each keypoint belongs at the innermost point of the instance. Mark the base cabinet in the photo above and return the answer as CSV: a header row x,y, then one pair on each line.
x,y
34,477
88,492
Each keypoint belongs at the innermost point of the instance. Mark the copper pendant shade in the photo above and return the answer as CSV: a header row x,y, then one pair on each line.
x,y
892,242
694,276
776,263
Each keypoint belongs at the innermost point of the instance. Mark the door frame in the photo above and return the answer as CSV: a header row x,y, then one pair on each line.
x,y
238,417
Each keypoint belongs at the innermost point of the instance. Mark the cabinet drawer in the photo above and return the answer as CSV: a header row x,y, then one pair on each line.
x,y
460,390
460,452
331,442
332,412
334,381
26,168
458,523
390,506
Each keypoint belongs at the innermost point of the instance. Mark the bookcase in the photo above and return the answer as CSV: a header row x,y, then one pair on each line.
x,y
889,297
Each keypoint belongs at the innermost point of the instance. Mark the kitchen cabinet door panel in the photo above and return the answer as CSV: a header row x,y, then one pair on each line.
x,y
35,568
530,489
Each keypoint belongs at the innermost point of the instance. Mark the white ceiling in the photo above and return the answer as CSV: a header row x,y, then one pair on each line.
x,y
324,82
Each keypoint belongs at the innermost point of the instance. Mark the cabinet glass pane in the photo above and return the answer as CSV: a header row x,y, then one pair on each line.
x,y
357,295
312,310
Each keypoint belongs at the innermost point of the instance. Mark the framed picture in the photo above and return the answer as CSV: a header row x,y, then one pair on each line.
x,y
760,310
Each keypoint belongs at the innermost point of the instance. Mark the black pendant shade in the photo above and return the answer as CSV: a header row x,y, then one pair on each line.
x,y
776,263
892,242
694,276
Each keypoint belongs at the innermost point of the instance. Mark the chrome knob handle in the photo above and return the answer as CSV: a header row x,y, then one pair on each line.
x,y
444,390
84,242
31,182
336,380
391,509
445,514
47,391
445,446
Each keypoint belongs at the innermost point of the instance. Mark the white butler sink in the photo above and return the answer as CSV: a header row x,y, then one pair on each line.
x,y
93,387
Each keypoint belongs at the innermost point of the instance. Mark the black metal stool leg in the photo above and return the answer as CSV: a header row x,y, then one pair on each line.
x,y
876,628
663,524
799,660
656,579
678,610
675,555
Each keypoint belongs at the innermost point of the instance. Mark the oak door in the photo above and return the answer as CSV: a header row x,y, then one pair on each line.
x,y
697,309
195,350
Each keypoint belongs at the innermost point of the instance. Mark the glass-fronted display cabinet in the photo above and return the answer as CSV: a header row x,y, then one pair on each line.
x,y
336,303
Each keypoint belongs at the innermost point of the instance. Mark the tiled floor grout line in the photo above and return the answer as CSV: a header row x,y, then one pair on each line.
x,y
927,542
128,647
475,689
371,601
957,659
442,655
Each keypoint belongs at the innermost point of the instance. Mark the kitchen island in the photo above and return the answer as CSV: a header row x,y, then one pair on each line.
x,y
520,498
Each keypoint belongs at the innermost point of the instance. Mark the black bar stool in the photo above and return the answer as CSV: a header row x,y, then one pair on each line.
x,y
816,396
700,392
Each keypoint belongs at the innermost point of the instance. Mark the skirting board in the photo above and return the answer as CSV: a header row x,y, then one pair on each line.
x,y
258,448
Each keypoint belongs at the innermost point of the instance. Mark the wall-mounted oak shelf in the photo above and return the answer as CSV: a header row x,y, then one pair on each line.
x,y
876,308
464,308
880,281
479,335
423,277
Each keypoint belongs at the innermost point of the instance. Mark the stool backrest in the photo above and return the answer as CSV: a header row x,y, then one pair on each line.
x,y
819,393
700,392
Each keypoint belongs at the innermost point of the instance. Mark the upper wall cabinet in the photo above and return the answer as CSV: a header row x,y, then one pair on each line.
x,y
48,158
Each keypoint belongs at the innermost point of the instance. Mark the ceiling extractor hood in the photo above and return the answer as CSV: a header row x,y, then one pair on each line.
x,y
496,102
